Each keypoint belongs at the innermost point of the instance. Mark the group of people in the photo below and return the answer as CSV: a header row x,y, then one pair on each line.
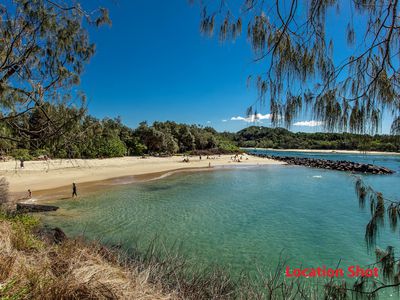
x,y
237,158
74,191
186,159
210,157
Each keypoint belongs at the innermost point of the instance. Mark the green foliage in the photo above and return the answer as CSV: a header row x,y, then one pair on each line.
x,y
43,50
187,140
83,136
21,154
112,148
23,224
301,71
226,146
170,137
279,138
40,152
16,295
6,142
137,148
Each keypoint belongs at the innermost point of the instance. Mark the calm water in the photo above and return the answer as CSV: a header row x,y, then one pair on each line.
x,y
241,217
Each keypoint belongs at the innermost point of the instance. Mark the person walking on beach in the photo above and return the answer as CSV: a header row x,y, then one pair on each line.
x,y
74,193
29,194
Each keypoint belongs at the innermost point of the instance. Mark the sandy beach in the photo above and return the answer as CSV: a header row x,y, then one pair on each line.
x,y
91,174
328,151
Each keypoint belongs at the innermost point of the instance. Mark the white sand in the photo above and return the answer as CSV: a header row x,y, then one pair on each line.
x,y
42,175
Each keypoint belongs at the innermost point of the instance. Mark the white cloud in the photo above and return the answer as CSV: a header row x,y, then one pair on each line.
x,y
208,122
238,118
252,118
308,123
224,120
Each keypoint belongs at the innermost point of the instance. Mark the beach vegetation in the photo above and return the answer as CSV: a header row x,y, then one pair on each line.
x,y
34,265
83,136
113,147
44,46
40,153
21,154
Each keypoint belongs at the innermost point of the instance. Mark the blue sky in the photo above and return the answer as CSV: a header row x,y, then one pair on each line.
x,y
153,64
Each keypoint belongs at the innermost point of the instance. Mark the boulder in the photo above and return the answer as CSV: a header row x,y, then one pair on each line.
x,y
52,235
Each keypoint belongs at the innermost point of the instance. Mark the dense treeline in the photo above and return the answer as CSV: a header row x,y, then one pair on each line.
x,y
75,134
78,135
280,138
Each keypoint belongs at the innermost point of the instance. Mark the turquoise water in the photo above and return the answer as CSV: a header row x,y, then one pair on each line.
x,y
240,218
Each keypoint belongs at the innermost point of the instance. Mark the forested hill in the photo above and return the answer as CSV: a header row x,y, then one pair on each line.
x,y
280,138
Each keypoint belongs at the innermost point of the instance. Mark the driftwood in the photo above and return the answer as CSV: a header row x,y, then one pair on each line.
x,y
339,165
24,207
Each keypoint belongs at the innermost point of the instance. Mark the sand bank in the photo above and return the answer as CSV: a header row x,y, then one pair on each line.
x,y
90,174
328,151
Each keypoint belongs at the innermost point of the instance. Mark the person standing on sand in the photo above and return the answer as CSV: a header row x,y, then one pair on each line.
x,y
29,194
74,193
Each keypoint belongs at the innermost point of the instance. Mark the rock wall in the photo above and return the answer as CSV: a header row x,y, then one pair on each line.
x,y
341,165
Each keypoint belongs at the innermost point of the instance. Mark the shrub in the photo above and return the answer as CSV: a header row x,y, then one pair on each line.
x,y
227,147
40,152
112,148
139,149
21,154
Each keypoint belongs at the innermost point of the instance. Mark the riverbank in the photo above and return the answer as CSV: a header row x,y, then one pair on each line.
x,y
92,174
327,151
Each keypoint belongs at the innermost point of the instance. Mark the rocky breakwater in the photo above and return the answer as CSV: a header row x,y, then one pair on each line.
x,y
339,165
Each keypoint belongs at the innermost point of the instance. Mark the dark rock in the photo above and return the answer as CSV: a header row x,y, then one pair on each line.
x,y
52,235
30,208
59,235
347,166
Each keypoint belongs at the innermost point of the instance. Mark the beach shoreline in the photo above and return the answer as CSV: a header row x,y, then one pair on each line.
x,y
330,151
52,179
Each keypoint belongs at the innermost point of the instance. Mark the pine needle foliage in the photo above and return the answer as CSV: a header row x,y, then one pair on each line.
x,y
386,259
44,46
291,39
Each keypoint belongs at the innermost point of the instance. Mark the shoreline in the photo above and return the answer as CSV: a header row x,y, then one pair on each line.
x,y
329,151
53,179
91,187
